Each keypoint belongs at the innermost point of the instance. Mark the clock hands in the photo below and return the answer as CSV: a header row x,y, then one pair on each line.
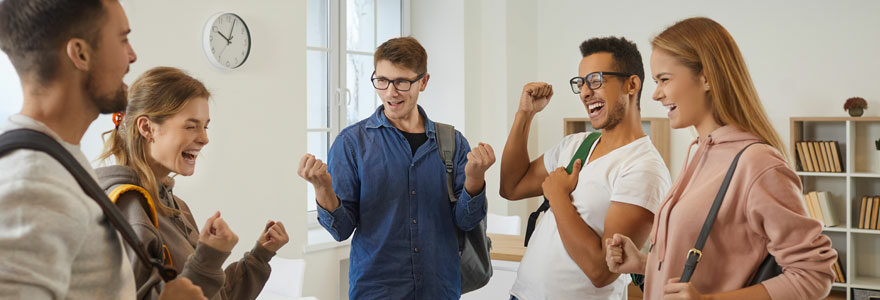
x,y
228,41
231,29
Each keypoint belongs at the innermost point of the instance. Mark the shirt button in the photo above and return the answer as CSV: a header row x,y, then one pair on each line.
x,y
414,221
416,250
413,192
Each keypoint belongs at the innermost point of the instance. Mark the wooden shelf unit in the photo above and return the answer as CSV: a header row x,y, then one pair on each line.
x,y
656,128
859,249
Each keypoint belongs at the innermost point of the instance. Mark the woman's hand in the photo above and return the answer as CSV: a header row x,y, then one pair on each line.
x,y
217,234
274,236
675,290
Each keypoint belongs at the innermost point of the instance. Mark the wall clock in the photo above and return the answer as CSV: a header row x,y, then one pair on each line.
x,y
227,41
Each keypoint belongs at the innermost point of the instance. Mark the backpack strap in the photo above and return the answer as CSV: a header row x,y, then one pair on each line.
x,y
446,146
581,154
149,205
38,141
695,254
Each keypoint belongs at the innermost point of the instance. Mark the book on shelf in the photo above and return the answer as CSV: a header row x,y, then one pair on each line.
x,y
869,213
828,213
819,157
876,214
799,148
823,156
835,156
863,206
820,207
839,275
868,209
826,154
809,204
813,160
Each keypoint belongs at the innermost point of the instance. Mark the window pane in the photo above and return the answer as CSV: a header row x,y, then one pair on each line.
x,y
388,18
360,25
318,23
317,89
10,90
318,147
362,95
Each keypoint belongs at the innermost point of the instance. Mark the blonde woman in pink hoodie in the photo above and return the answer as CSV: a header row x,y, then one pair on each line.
x,y
703,80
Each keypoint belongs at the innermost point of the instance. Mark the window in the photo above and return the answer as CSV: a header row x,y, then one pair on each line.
x,y
341,38
10,90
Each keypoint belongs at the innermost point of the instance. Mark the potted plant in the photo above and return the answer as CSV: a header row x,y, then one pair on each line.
x,y
855,106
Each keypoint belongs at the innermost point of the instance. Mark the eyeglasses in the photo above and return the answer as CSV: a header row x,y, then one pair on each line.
x,y
594,80
402,85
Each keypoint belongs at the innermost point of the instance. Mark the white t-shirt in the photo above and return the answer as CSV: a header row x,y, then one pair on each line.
x,y
633,174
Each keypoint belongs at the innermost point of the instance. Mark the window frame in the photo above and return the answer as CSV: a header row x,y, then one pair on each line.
x,y
339,96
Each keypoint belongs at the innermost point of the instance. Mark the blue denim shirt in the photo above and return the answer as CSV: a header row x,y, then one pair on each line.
x,y
405,245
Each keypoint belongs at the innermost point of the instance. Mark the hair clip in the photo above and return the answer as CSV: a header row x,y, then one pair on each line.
x,y
117,118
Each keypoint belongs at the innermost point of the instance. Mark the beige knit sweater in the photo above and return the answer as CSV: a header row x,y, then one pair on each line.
x,y
55,242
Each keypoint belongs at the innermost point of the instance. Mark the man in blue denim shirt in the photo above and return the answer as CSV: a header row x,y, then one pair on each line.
x,y
389,183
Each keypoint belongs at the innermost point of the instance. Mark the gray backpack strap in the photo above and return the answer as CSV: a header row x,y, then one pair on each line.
x,y
474,245
446,145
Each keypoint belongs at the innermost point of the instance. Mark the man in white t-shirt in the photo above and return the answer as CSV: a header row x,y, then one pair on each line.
x,y
617,189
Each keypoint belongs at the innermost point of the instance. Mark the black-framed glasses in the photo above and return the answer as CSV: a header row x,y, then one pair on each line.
x,y
403,85
593,80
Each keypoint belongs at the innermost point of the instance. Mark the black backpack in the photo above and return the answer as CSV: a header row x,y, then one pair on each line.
x,y
474,245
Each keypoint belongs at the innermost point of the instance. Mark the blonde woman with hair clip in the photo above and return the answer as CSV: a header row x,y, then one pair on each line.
x,y
162,132
703,81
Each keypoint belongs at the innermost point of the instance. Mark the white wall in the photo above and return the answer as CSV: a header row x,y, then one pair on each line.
x,y
439,29
10,89
257,130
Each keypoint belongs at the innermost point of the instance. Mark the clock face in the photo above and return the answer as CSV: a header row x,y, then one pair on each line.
x,y
227,41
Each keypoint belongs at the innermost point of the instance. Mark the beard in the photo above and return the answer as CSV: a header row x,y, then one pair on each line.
x,y
615,116
106,104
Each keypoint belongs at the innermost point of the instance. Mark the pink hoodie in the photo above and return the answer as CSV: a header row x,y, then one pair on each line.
x,y
762,211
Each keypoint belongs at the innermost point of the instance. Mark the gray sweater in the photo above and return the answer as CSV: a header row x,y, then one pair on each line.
x,y
200,263
54,240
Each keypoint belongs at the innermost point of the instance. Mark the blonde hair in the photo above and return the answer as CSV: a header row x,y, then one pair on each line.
x,y
705,47
157,94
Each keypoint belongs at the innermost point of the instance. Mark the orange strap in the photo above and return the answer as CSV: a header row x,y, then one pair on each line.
x,y
151,206
168,255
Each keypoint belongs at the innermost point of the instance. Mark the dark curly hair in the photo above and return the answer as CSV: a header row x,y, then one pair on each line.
x,y
627,58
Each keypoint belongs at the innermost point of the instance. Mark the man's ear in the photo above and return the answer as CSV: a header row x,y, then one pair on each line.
x,y
144,127
424,81
634,85
79,52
